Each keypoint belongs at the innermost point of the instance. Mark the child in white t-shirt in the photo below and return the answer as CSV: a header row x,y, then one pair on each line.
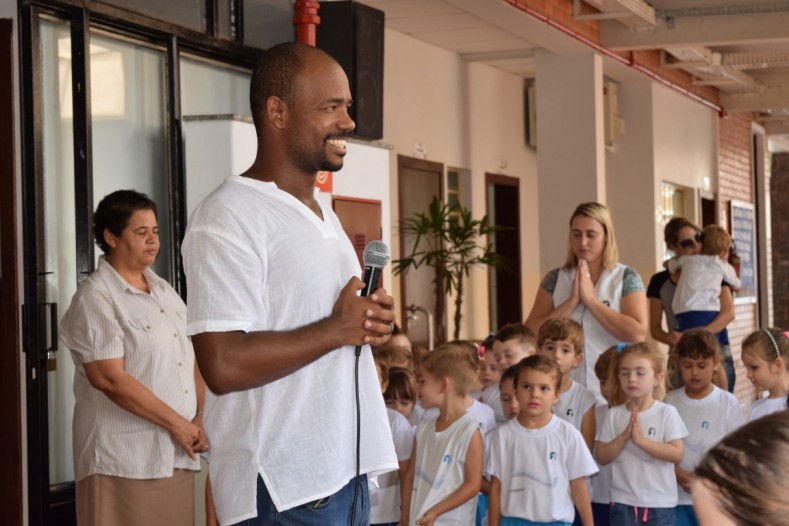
x,y
445,473
765,354
601,481
697,297
641,438
708,411
489,376
538,462
481,412
509,402
513,343
563,340
400,394
385,493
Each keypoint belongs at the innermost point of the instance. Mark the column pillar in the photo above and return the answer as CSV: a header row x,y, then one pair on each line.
x,y
570,144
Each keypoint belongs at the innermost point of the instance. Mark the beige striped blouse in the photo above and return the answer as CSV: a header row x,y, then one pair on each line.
x,y
108,318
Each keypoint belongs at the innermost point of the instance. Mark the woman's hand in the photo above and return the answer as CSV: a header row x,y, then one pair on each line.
x,y
202,445
188,436
583,280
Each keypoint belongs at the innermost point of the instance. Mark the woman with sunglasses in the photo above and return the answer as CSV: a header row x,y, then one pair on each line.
x,y
596,290
683,238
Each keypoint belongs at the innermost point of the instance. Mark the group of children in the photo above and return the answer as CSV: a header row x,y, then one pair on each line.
x,y
501,434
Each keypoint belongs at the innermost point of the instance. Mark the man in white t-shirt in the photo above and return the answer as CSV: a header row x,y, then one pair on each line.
x,y
274,314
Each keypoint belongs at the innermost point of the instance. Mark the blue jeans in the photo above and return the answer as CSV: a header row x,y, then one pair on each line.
x,y
686,516
516,521
334,510
623,515
600,513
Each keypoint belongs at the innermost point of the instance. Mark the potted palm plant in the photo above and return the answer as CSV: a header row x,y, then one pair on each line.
x,y
449,240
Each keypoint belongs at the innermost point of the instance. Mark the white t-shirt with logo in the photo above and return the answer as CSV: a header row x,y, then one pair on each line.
x,y
638,478
574,403
535,467
708,420
439,470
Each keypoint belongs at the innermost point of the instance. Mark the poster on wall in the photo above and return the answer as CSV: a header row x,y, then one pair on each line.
x,y
743,233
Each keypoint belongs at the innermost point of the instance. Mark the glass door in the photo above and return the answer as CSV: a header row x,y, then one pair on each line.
x,y
102,128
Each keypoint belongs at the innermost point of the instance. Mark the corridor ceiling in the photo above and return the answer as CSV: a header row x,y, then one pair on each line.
x,y
741,47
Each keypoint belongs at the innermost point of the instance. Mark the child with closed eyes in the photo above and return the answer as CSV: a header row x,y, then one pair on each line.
x,y
642,440
708,411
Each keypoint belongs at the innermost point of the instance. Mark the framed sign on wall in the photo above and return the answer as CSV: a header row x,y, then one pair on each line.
x,y
743,233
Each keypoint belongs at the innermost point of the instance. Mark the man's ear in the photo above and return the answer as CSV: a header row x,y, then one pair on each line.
x,y
276,111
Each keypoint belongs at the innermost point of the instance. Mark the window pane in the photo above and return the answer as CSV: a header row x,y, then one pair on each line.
x,y
129,139
188,13
207,89
452,180
59,231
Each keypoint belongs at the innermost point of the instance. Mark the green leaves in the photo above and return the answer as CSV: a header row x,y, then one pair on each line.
x,y
448,239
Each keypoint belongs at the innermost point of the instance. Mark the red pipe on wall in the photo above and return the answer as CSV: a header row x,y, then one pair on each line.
x,y
306,20
607,52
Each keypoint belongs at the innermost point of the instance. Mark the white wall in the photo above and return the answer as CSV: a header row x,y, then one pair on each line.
x,y
668,137
630,176
686,143
468,116
496,133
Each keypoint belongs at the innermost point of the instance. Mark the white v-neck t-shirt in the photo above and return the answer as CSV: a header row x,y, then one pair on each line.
x,y
257,259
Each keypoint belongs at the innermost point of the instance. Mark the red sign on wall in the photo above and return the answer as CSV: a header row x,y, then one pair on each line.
x,y
324,181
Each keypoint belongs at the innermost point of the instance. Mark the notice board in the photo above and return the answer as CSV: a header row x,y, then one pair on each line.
x,y
743,232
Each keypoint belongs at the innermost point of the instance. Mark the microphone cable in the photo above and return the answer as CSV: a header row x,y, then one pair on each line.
x,y
358,435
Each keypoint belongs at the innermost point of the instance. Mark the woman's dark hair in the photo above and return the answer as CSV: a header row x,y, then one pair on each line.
x,y
672,228
115,210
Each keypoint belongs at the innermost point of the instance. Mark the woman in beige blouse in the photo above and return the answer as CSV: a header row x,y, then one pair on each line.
x,y
139,394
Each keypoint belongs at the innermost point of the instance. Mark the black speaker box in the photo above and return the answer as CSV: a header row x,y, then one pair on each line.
x,y
353,34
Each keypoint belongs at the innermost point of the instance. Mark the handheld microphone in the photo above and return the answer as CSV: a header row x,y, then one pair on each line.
x,y
375,257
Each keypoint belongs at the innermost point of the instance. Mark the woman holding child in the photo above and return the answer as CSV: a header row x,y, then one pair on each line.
x,y
606,297
683,238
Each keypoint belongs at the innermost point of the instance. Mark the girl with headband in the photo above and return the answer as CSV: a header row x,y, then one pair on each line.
x,y
765,354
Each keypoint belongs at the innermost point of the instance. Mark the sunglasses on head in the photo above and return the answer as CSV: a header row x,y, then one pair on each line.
x,y
690,243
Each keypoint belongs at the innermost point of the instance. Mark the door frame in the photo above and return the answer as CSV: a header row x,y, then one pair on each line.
x,y
404,162
514,182
10,379
54,504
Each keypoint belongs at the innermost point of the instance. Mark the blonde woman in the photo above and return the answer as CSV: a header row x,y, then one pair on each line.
x,y
593,288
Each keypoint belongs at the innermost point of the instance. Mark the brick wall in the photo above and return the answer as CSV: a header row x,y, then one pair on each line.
x,y
735,182
561,12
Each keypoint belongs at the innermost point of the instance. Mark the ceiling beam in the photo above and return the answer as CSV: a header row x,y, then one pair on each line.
x,y
776,127
770,97
707,31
